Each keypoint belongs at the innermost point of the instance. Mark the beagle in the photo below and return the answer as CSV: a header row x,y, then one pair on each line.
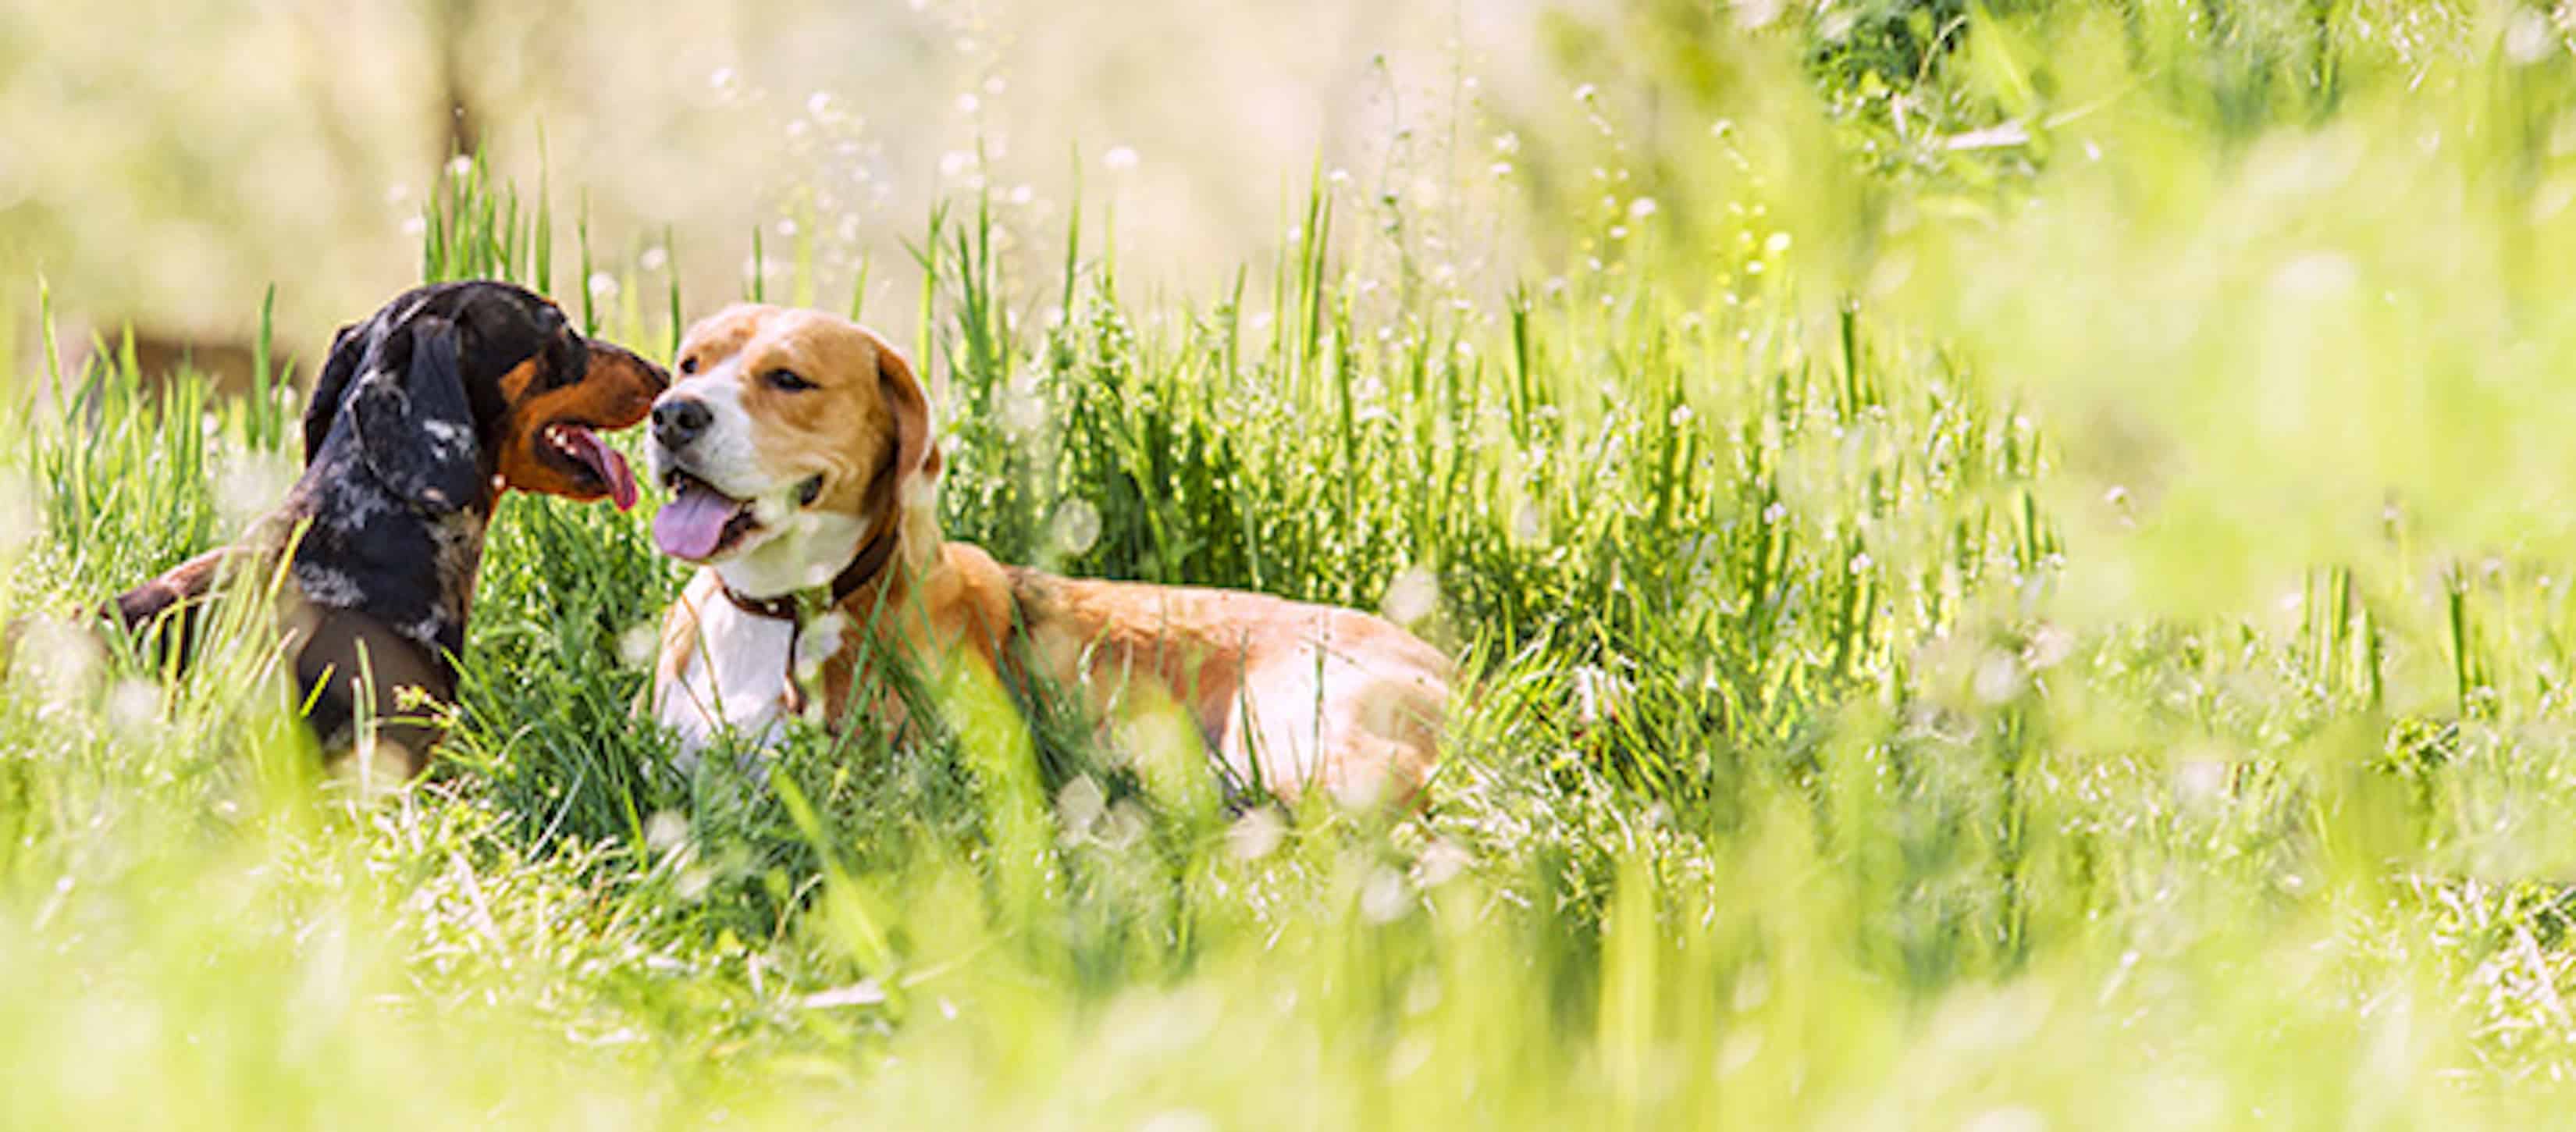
x,y
422,416
798,450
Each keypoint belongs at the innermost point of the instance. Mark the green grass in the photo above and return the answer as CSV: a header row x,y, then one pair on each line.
x,y
2066,632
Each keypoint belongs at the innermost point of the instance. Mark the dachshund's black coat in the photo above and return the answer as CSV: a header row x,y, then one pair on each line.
x,y
422,415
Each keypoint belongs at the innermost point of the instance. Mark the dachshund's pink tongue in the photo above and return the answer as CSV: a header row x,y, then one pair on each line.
x,y
692,525
612,469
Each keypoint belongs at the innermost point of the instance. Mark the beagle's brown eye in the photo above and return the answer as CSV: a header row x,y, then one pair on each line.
x,y
689,364
786,381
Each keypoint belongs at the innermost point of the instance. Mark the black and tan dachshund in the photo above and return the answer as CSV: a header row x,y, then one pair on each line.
x,y
422,417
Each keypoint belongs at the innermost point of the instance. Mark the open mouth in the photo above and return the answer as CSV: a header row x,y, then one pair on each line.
x,y
591,461
700,523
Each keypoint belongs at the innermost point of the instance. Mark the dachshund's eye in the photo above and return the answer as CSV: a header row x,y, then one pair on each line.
x,y
786,381
689,364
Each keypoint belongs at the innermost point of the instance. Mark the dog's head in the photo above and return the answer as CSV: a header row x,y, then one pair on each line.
x,y
789,439
454,392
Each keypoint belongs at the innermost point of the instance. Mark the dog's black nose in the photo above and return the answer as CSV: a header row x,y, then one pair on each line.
x,y
676,423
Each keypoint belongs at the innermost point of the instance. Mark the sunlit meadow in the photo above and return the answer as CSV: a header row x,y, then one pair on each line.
x,y
2014,562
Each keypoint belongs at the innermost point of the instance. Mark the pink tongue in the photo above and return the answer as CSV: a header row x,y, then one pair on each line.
x,y
692,523
610,466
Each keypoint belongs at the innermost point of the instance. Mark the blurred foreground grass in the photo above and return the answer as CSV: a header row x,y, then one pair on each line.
x,y
2062,627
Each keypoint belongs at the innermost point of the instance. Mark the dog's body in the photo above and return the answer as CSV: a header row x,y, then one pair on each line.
x,y
422,416
800,447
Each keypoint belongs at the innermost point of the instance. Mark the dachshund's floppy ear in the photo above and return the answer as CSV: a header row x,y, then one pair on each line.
x,y
348,347
415,427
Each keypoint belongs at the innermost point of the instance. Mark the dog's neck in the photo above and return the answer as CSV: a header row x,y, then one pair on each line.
x,y
818,550
806,554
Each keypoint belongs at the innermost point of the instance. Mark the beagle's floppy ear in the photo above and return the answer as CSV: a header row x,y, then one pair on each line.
x,y
913,452
414,426
916,461
348,348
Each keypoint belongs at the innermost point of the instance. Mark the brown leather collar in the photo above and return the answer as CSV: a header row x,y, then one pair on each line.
x,y
863,568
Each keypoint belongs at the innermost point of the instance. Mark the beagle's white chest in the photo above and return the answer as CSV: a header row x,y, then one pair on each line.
x,y
734,682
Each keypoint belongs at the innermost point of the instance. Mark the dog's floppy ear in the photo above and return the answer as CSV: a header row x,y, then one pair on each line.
x,y
348,348
913,452
916,456
415,427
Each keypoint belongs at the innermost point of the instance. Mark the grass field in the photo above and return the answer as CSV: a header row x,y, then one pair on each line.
x,y
2016,563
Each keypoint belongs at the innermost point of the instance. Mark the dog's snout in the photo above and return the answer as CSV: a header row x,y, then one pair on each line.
x,y
679,420
655,377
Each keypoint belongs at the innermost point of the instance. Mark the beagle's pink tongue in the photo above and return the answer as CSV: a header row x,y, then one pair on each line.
x,y
692,524
612,469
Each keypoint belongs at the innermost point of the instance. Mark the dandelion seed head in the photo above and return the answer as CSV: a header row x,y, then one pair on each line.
x,y
2526,38
637,646
1256,834
1412,596
248,485
665,831
1999,678
133,706
1076,527
1529,524
1441,862
1386,898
